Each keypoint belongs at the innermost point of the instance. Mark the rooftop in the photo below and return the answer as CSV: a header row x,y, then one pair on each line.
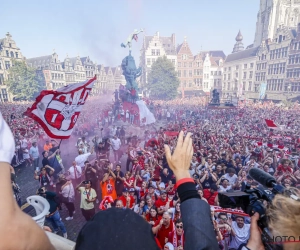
x,y
242,54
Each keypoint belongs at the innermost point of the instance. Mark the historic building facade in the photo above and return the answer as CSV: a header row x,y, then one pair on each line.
x,y
239,70
8,52
273,14
185,66
153,48
77,69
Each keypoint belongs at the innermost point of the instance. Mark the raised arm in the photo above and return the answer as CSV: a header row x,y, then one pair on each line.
x,y
195,212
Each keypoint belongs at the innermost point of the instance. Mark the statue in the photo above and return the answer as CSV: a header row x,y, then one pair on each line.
x,y
216,98
130,71
132,36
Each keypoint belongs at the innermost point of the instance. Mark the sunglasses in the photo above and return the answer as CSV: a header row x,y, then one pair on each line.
x,y
179,227
223,218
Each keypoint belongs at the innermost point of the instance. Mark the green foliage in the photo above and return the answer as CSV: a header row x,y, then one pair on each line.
x,y
162,80
24,82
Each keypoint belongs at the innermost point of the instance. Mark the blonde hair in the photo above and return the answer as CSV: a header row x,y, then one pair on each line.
x,y
284,217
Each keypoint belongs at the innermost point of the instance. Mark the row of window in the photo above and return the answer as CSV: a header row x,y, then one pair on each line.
x,y
245,66
293,59
293,73
234,87
237,75
275,85
12,54
155,52
260,76
277,68
296,46
261,66
278,53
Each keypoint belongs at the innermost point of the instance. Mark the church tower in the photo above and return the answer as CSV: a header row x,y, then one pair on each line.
x,y
239,46
273,14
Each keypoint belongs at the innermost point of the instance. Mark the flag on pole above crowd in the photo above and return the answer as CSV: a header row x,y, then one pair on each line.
x,y
58,110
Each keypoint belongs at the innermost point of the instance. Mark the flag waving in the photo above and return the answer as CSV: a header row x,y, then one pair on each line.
x,y
272,125
58,110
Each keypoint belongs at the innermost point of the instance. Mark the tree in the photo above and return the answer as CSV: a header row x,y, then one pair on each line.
x,y
24,82
163,80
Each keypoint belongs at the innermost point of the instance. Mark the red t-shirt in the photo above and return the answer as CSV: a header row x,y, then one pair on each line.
x,y
123,199
160,203
163,232
280,168
209,196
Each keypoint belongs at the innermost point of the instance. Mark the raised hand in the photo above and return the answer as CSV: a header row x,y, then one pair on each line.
x,y
180,161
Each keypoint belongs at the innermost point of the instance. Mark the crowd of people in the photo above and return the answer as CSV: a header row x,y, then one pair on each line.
x,y
227,143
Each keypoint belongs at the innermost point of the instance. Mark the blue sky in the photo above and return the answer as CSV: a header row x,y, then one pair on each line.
x,y
98,27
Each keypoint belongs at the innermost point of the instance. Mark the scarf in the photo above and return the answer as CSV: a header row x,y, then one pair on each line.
x,y
175,238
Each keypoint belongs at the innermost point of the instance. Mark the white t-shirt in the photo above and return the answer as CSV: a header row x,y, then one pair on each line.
x,y
115,143
222,189
232,180
72,172
80,159
242,235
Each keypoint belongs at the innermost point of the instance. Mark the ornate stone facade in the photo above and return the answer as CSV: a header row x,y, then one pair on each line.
x,y
154,47
8,52
274,14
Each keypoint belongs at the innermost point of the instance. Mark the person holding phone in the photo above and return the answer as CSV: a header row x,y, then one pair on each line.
x,y
88,197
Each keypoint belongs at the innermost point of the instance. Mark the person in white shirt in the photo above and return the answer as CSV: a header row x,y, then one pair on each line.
x,y
81,158
75,173
240,232
224,186
231,176
115,143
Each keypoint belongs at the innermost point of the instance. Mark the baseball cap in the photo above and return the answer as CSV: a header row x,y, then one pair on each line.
x,y
125,190
150,185
122,222
131,190
163,192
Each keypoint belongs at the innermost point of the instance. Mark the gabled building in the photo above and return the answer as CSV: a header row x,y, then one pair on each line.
x,y
154,47
52,68
9,51
185,66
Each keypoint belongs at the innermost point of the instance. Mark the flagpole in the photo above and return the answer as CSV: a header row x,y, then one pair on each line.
x,y
60,143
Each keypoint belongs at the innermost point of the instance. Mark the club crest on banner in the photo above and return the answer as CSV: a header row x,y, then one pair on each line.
x,y
58,111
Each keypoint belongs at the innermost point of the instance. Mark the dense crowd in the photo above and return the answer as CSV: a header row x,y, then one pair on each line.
x,y
227,143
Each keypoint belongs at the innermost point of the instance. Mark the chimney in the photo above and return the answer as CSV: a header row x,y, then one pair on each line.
x,y
173,39
157,34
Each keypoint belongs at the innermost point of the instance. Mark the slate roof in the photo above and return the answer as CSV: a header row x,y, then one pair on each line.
x,y
167,43
73,60
215,53
40,61
242,54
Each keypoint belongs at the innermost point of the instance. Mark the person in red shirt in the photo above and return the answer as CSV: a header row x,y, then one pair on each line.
x,y
152,217
162,228
162,202
285,167
211,195
127,200
176,237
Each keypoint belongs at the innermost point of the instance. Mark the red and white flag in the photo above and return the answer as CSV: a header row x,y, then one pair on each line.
x,y
272,125
58,110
